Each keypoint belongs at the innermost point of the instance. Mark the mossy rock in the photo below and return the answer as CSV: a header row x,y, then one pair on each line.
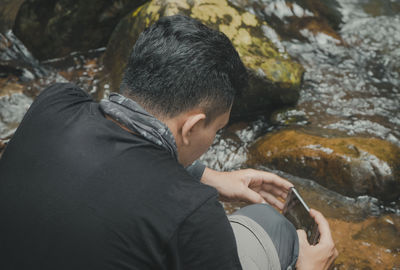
x,y
351,166
51,29
274,78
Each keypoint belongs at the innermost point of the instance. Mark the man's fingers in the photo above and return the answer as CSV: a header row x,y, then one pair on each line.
x,y
323,226
336,253
272,200
277,191
274,179
302,236
253,197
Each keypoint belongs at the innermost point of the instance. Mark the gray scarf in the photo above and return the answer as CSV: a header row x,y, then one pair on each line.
x,y
134,117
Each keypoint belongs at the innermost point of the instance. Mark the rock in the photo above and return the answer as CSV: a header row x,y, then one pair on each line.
x,y
13,106
381,8
290,18
8,12
51,29
16,60
274,77
383,231
335,206
351,166
362,245
328,9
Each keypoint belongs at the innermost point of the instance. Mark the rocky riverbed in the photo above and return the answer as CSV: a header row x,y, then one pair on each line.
x,y
322,110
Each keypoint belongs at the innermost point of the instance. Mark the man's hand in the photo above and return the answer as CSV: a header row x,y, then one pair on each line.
x,y
248,185
320,256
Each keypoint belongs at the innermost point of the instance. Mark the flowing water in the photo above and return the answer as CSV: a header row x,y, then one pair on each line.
x,y
351,83
351,87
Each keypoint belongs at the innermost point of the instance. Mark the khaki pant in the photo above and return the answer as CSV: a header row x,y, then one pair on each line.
x,y
265,239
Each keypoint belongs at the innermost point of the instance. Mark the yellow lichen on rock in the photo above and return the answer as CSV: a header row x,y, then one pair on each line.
x,y
243,37
152,13
214,11
175,6
282,70
136,12
249,19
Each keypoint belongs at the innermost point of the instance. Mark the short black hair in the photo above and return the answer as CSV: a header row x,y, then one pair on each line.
x,y
178,64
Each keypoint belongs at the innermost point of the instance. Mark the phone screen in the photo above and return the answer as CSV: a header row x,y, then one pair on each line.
x,y
297,212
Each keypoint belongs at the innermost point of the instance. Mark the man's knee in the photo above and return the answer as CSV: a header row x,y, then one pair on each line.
x,y
282,233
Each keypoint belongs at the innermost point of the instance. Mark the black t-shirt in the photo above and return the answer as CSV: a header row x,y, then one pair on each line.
x,y
79,192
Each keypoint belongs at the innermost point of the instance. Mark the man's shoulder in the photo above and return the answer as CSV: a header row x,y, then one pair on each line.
x,y
62,89
59,93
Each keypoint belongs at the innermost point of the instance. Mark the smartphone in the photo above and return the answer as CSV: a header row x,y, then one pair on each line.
x,y
298,213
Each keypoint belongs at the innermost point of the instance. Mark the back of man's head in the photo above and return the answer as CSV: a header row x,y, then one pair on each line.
x,y
179,64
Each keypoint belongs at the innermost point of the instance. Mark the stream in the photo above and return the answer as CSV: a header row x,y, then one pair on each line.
x,y
351,88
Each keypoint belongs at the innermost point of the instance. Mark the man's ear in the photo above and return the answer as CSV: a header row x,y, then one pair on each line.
x,y
189,125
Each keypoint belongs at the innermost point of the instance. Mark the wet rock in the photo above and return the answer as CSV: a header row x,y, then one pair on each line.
x,y
361,245
52,29
13,106
274,77
295,18
16,60
383,231
378,8
335,206
8,12
352,166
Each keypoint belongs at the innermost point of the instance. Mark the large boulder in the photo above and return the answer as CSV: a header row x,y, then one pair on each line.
x,y
55,28
274,78
8,12
350,166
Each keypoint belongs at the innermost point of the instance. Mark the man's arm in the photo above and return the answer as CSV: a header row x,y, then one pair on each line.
x,y
248,185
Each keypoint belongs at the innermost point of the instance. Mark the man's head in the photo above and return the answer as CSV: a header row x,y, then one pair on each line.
x,y
186,75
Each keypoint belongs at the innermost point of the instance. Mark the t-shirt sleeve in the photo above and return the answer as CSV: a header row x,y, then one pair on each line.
x,y
206,240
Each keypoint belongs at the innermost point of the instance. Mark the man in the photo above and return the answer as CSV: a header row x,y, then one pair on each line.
x,y
104,186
